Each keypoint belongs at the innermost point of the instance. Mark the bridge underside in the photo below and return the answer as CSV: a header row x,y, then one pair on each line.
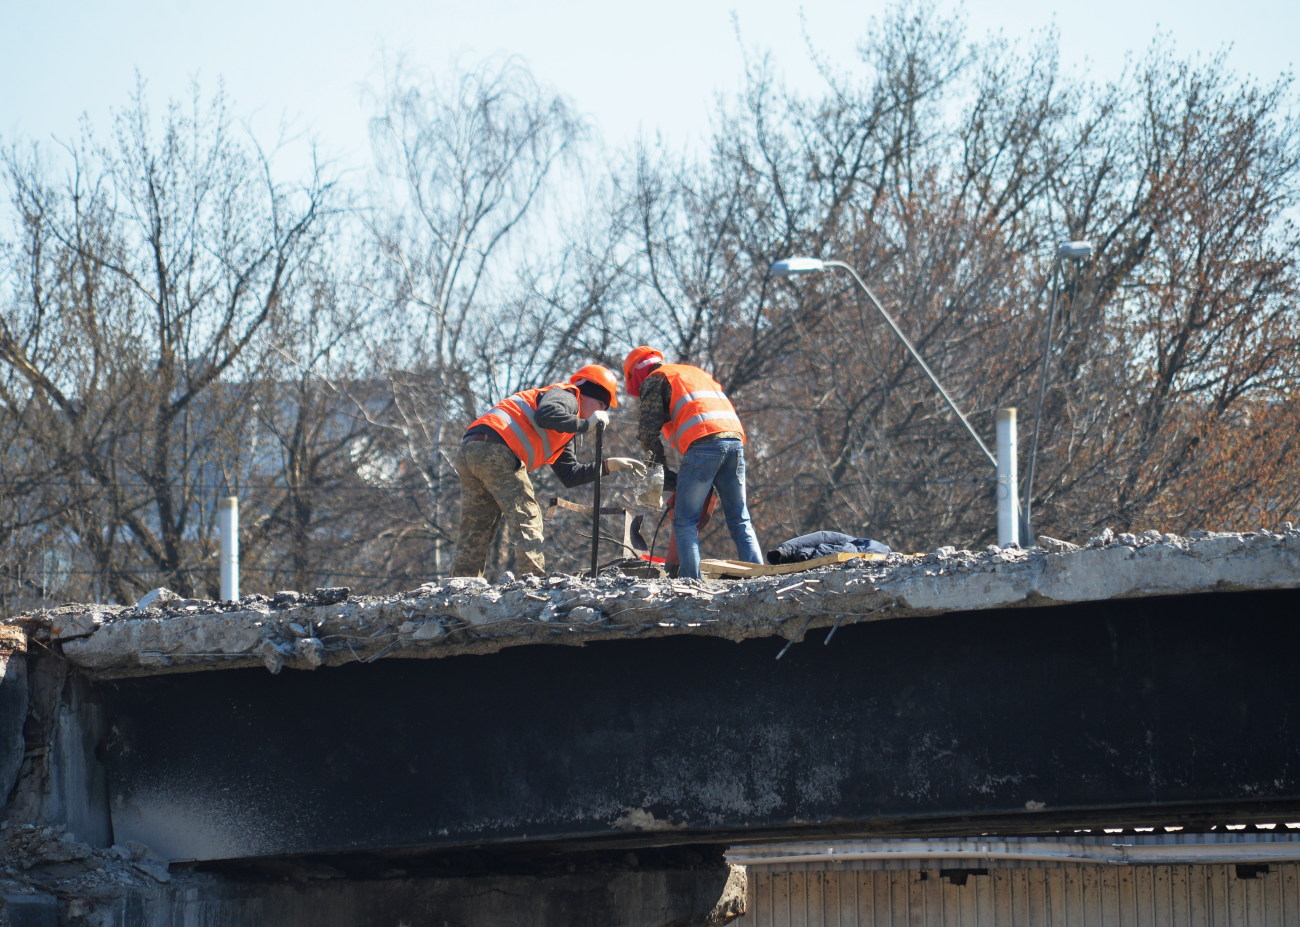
x,y
1164,710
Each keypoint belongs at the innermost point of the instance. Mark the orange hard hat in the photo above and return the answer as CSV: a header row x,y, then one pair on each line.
x,y
636,365
602,377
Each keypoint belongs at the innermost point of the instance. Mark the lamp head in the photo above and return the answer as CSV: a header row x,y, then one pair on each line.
x,y
1075,250
794,266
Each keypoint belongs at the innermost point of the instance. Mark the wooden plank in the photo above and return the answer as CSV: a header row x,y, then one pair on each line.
x,y
713,569
558,503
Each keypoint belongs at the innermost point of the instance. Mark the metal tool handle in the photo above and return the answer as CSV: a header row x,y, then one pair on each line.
x,y
595,504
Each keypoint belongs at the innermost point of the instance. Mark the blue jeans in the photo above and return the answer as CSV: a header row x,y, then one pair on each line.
x,y
721,464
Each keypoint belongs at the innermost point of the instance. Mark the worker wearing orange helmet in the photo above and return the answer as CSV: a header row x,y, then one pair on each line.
x,y
517,435
687,409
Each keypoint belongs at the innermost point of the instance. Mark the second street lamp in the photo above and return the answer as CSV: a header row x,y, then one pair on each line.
x,y
1008,516
1078,251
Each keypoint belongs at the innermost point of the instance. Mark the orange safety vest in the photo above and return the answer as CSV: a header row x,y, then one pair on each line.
x,y
698,407
514,419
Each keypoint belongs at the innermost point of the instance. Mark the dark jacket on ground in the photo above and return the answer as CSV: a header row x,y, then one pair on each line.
x,y
821,544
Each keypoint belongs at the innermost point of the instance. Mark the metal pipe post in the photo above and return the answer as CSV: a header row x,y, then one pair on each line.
x,y
595,502
1008,480
228,528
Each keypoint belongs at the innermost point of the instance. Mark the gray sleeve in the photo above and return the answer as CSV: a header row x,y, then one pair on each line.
x,y
557,410
569,471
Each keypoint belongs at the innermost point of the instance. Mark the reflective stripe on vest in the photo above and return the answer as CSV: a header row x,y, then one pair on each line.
x,y
515,419
698,407
691,397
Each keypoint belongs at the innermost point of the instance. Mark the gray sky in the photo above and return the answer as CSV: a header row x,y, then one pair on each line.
x,y
647,67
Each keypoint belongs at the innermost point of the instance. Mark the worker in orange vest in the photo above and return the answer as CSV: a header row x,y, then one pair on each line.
x,y
685,408
517,435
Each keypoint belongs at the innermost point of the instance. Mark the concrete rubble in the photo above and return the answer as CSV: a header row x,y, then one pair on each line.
x,y
328,627
48,870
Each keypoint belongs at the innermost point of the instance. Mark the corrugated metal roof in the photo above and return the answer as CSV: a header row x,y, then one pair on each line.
x,y
1253,844
1071,896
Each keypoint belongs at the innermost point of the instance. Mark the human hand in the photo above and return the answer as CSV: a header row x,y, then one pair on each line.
x,y
615,464
599,418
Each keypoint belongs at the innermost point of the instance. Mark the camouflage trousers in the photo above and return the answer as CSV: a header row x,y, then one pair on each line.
x,y
494,484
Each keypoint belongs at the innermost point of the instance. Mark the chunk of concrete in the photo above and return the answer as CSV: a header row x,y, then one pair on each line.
x,y
157,597
310,650
66,626
272,657
424,630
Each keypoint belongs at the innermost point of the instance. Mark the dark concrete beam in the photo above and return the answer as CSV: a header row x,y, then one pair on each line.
x,y
1139,708
13,705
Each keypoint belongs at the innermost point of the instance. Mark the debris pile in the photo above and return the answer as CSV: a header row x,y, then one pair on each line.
x,y
166,633
48,862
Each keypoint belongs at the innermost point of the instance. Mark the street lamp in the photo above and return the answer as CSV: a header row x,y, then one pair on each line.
x,y
1008,526
1078,251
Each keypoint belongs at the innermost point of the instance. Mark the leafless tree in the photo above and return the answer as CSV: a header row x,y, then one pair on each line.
x,y
946,174
487,298
137,288
178,324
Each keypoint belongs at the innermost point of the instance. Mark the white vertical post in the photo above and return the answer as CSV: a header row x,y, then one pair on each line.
x,y
1008,480
228,526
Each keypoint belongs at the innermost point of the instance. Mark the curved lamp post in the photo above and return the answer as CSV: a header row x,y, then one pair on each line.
x,y
1008,522
1067,250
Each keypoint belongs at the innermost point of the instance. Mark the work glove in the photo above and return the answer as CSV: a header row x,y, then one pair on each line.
x,y
599,418
614,464
651,490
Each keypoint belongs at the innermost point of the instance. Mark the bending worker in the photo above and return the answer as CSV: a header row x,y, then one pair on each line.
x,y
685,407
521,433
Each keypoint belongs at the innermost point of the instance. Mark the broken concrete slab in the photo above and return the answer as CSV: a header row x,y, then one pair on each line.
x,y
462,615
